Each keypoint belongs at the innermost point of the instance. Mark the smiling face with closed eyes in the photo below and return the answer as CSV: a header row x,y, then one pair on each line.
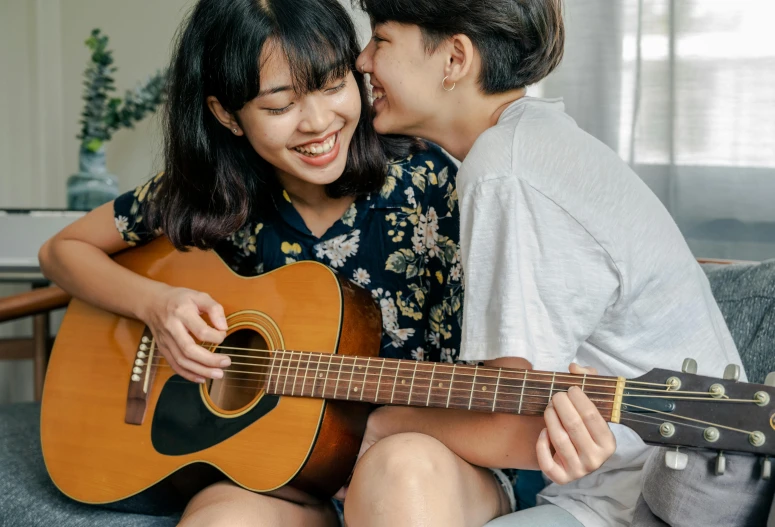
x,y
303,135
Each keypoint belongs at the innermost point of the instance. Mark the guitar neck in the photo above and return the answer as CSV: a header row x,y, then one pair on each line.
x,y
436,385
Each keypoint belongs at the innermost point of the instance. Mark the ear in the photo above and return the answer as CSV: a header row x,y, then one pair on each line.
x,y
460,61
224,117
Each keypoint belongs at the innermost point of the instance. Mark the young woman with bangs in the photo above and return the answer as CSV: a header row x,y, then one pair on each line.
x,y
271,158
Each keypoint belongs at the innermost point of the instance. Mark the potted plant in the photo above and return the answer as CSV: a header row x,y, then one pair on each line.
x,y
102,116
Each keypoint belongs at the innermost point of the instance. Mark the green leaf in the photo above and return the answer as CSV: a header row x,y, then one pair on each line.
x,y
93,145
419,180
396,262
443,177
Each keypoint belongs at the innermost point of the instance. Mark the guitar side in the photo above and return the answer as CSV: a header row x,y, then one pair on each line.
x,y
262,442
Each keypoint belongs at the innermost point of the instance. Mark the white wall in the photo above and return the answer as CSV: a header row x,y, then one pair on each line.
x,y
42,59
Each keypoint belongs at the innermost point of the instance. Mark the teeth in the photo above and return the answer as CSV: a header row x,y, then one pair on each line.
x,y
377,94
318,148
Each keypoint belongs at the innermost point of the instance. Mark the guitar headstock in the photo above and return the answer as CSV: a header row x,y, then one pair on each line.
x,y
684,409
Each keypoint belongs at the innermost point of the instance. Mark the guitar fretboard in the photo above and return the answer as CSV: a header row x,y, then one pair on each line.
x,y
437,385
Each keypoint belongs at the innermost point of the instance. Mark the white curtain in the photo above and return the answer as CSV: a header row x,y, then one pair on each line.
x,y
684,90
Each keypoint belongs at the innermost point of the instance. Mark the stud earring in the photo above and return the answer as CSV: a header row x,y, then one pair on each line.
x,y
234,130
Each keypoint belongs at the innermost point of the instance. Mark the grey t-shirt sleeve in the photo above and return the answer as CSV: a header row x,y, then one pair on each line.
x,y
537,283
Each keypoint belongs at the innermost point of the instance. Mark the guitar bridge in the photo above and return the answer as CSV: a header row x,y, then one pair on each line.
x,y
141,379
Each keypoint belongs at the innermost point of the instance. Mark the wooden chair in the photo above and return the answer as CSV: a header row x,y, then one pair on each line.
x,y
37,303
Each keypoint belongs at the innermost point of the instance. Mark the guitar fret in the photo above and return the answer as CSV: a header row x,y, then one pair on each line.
x,y
352,372
328,372
395,380
363,386
430,385
411,386
495,396
376,394
583,382
280,372
296,376
317,370
522,394
338,376
271,370
451,379
473,386
551,388
304,382
287,371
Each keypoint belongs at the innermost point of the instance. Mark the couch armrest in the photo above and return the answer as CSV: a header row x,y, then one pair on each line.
x,y
32,303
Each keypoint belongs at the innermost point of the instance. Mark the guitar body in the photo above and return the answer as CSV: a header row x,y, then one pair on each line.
x,y
107,436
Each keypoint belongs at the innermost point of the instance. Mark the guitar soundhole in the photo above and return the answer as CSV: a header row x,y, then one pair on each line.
x,y
246,377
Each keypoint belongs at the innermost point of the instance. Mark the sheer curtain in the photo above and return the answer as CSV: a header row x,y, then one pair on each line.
x,y
684,90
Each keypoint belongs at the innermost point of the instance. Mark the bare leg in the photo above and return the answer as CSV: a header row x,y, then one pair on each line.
x,y
413,479
228,505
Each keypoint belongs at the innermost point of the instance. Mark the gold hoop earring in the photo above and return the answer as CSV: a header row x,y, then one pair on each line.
x,y
443,84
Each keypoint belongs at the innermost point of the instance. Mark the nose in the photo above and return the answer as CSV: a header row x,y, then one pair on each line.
x,y
364,63
316,115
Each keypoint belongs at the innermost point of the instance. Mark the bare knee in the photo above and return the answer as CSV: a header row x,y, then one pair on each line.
x,y
225,504
406,460
397,472
218,505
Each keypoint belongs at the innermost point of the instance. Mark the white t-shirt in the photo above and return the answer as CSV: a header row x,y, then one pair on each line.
x,y
569,257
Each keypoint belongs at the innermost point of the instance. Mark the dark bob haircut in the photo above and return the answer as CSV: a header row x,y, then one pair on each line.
x,y
520,41
214,181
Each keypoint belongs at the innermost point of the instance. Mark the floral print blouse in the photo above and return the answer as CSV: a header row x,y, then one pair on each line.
x,y
400,243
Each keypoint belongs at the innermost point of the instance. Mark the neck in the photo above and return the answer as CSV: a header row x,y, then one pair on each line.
x,y
304,193
479,112
438,385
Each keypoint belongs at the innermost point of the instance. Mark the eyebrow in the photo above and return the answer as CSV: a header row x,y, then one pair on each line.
x,y
276,89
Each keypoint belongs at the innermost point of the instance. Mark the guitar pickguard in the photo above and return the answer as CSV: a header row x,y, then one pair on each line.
x,y
182,424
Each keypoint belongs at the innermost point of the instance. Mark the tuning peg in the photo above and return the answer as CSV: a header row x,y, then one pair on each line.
x,y
770,380
766,468
689,366
721,464
676,460
732,372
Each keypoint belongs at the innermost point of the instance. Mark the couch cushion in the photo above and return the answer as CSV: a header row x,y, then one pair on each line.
x,y
745,293
28,497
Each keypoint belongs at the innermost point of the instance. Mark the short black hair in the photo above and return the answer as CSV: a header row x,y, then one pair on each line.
x,y
520,41
215,181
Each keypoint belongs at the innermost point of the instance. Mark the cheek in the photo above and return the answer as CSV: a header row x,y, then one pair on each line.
x,y
269,139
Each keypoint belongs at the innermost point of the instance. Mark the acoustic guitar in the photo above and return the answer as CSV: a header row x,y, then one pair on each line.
x,y
290,412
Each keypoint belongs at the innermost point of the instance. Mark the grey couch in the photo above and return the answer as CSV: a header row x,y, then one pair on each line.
x,y
745,294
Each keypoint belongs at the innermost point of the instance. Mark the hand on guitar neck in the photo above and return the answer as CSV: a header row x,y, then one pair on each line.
x,y
574,439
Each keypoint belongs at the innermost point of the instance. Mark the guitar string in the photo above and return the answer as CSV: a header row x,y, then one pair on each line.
x,y
283,366
314,353
457,370
275,378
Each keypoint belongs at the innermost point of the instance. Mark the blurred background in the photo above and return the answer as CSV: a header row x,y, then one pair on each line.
x,y
683,90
